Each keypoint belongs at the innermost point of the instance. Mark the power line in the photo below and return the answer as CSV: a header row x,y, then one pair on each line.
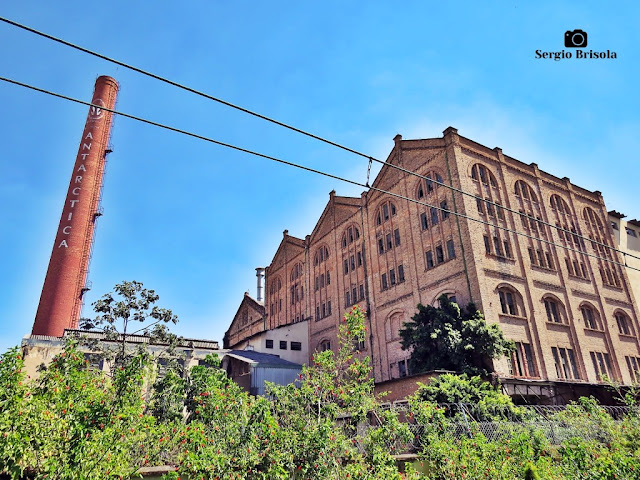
x,y
181,86
303,132
319,172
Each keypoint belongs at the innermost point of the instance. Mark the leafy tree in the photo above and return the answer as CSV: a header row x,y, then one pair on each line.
x,y
116,315
448,338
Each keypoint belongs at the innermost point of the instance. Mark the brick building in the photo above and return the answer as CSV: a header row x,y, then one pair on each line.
x,y
570,312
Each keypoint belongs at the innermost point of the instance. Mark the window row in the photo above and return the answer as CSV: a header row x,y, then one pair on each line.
x,y
323,310
576,269
600,248
349,236
511,304
351,263
322,280
524,191
296,346
488,206
610,277
522,363
541,259
275,307
499,248
571,237
602,365
387,242
354,295
439,255
530,222
565,363
391,279
434,217
633,363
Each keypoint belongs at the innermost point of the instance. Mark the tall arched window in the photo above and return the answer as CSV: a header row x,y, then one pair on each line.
x,y
321,255
296,289
275,300
427,185
523,190
350,235
385,212
296,271
560,205
483,174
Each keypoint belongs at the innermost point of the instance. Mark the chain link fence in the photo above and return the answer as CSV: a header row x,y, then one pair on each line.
x,y
497,423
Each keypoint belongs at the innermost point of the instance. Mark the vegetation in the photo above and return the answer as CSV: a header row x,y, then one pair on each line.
x,y
448,338
75,422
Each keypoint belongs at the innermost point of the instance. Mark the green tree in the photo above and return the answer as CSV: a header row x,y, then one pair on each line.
x,y
448,338
131,304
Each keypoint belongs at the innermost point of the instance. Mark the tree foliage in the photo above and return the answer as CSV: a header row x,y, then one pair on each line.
x,y
450,338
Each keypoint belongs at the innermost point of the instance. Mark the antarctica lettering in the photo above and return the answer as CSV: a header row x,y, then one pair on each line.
x,y
80,170
77,180
576,54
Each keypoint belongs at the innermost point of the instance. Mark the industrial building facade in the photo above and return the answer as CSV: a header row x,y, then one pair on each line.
x,y
559,293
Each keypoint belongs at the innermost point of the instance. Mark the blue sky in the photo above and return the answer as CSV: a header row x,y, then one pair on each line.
x,y
193,220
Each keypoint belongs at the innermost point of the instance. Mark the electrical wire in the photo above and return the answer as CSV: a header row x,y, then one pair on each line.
x,y
319,172
302,132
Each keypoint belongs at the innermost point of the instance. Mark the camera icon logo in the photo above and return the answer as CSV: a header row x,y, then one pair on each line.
x,y
575,39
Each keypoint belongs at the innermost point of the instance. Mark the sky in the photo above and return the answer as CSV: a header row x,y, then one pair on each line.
x,y
193,220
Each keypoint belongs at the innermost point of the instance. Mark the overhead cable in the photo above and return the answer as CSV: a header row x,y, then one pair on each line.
x,y
319,172
300,131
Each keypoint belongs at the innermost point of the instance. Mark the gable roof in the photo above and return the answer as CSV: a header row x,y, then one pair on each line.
x,y
247,303
289,248
337,210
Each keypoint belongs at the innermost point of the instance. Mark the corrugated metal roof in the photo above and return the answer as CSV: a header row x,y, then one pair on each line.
x,y
263,359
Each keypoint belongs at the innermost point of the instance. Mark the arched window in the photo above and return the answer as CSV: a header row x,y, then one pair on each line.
x,y
592,218
296,271
555,309
324,345
558,204
510,301
590,316
427,186
350,235
393,324
276,285
385,212
523,190
625,327
451,295
275,302
483,174
321,255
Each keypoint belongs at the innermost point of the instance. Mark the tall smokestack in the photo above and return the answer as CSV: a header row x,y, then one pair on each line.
x,y
260,280
61,298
